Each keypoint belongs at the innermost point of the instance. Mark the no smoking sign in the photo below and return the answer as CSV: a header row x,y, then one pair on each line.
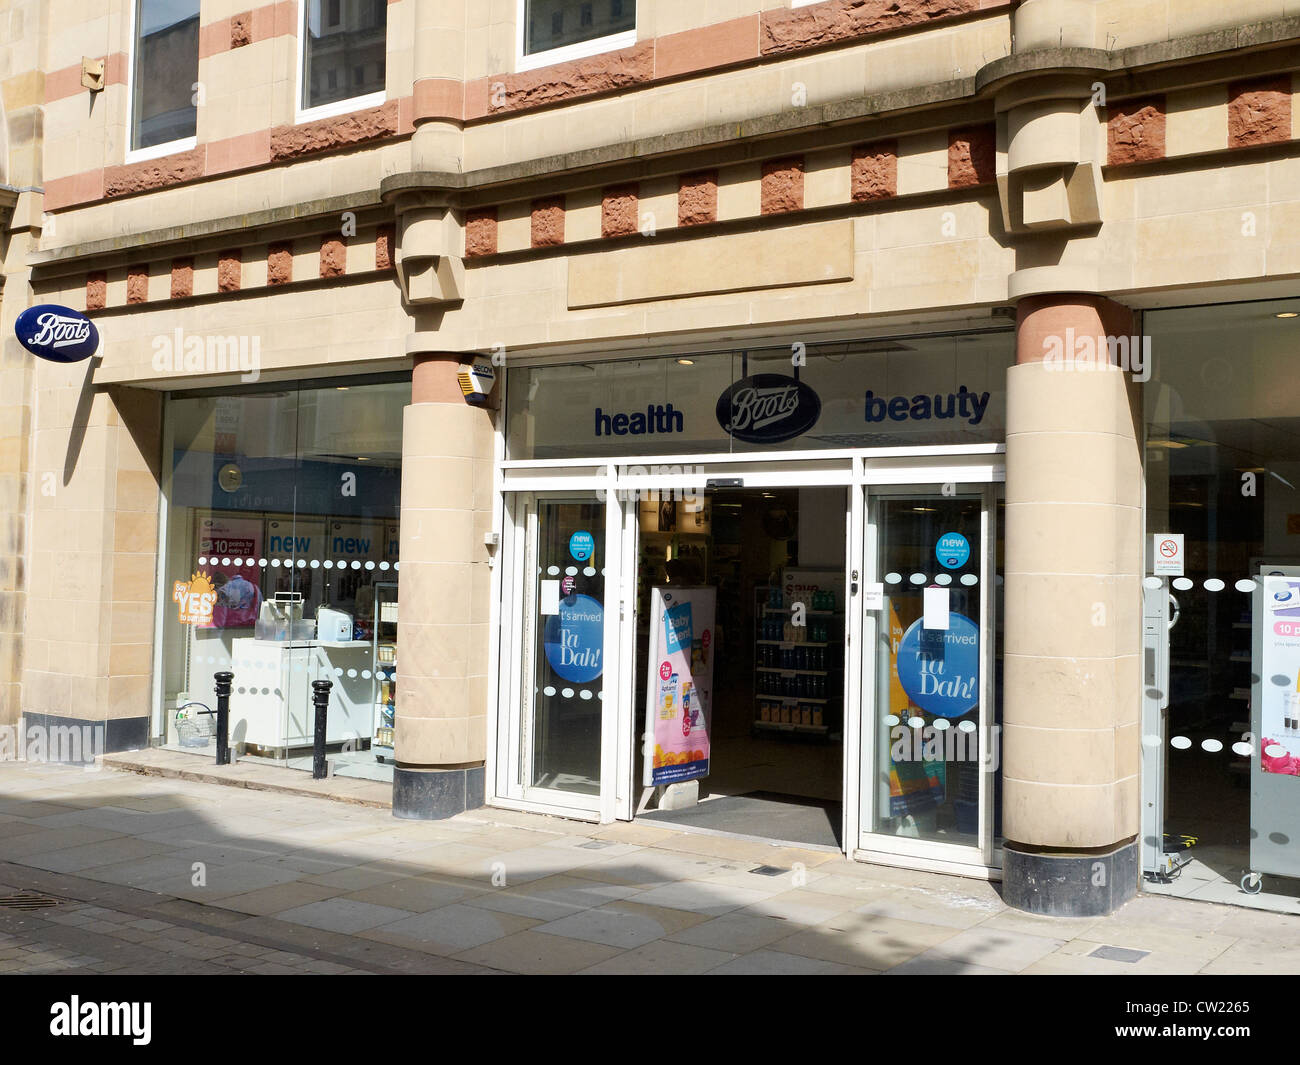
x,y
1168,555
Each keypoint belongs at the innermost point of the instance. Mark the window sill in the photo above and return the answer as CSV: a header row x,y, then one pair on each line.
x,y
158,151
581,50
340,107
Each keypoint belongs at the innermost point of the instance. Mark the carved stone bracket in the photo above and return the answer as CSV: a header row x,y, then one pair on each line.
x,y
430,247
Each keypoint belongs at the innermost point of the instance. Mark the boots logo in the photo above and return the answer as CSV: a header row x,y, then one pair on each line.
x,y
56,333
768,408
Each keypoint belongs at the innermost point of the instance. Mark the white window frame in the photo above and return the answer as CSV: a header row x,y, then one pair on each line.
x,y
339,107
611,42
154,151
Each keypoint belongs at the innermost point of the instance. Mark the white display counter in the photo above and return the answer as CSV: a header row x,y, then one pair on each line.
x,y
271,704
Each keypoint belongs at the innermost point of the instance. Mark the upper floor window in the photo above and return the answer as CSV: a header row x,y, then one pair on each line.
x,y
343,53
552,31
165,72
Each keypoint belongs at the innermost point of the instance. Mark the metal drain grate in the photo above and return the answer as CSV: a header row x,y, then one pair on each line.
x,y
25,900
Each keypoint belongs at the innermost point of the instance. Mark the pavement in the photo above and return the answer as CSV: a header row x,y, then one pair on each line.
x,y
107,871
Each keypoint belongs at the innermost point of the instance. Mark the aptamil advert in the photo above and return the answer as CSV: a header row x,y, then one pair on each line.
x,y
1280,672
679,688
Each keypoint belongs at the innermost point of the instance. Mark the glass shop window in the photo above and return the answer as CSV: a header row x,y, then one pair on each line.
x,y
281,566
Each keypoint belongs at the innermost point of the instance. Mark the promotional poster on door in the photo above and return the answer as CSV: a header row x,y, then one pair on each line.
x,y
1280,672
679,692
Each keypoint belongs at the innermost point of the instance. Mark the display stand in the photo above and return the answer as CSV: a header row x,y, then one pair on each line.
x,y
384,648
1274,725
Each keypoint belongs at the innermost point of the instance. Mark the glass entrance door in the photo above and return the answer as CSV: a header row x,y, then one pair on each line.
x,y
930,755
557,737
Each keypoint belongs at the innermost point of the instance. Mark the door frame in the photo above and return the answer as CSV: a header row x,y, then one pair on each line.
x,y
984,859
516,657
623,479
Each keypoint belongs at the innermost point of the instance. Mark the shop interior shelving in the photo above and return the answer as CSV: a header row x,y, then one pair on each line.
x,y
779,710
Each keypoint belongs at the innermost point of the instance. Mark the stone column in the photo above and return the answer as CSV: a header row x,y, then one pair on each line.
x,y
443,596
438,86
1073,602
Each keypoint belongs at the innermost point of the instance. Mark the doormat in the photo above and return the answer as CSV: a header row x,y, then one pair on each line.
x,y
761,813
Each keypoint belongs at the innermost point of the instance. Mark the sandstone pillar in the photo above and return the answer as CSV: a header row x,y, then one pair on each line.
x,y
443,596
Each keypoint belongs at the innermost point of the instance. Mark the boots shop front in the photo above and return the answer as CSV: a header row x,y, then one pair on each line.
x,y
757,591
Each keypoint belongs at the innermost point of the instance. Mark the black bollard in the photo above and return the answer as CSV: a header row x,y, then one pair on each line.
x,y
223,716
321,697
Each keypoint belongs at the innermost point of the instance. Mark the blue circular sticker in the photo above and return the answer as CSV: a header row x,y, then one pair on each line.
x,y
952,550
940,668
574,639
581,545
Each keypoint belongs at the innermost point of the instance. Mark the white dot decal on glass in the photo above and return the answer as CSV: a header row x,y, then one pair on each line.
x,y
275,563
356,564
261,563
891,720
203,560
585,693
315,563
1275,750
365,674
590,571
893,578
328,563
916,722
969,579
1213,746
1183,583
338,671
383,565
1180,743
352,673
548,690
225,562
370,565
943,724
237,562
1150,741
251,563
567,693
1214,585
1242,748
397,565
917,578
1246,585
553,571
602,571
600,695
266,691
966,726
302,563
943,578
570,571
1152,582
